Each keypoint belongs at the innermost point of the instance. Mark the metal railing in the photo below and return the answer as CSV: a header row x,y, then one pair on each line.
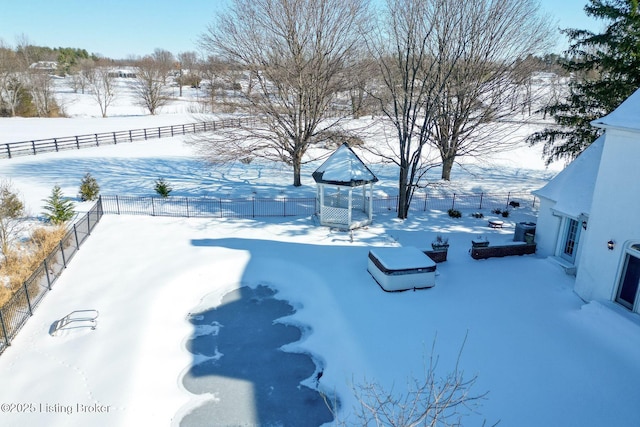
x,y
15,313
48,145
282,207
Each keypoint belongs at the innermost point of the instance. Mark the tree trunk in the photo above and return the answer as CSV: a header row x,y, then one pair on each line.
x,y
296,174
447,165
297,167
403,199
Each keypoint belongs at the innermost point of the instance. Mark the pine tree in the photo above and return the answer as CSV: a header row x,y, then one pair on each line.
x,y
605,71
163,188
89,188
58,209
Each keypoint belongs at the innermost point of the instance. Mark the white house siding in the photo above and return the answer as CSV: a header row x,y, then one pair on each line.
x,y
615,215
547,228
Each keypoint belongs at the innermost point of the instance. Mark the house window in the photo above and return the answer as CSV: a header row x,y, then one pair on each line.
x,y
627,293
570,245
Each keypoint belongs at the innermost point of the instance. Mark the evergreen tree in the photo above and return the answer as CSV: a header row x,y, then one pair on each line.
x,y
58,209
162,187
605,70
89,188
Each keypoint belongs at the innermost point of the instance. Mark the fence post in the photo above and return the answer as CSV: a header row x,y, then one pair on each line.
x,y
145,134
115,140
187,200
253,207
153,208
64,259
159,133
284,206
453,202
130,137
117,205
46,270
75,233
171,130
55,143
8,150
481,196
97,142
425,201
4,330
33,147
26,294
508,197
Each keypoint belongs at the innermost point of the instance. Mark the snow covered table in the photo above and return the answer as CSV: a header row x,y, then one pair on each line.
x,y
401,268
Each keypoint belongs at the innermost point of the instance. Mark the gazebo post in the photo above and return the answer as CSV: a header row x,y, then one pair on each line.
x,y
321,190
370,202
350,207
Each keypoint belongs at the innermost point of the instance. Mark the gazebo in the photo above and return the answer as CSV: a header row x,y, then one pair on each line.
x,y
340,203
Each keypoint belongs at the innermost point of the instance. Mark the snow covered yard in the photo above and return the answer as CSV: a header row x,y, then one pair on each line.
x,y
544,357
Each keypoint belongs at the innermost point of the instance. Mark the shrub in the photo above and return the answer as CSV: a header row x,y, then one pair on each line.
x,y
163,188
505,213
477,215
497,211
11,212
20,264
58,209
454,213
89,188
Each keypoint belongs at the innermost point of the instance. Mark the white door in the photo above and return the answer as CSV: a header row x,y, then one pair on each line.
x,y
570,243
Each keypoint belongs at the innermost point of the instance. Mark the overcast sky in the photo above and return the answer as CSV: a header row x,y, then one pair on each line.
x,y
121,28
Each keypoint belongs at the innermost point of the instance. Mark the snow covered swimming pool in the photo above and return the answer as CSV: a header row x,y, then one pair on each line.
x,y
238,366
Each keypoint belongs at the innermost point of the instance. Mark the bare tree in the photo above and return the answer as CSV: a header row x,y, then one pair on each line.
x,y
295,52
12,81
149,85
42,91
165,62
413,69
188,68
101,86
445,66
212,71
79,72
11,216
433,399
496,40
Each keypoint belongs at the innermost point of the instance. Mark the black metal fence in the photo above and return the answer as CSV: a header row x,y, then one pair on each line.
x,y
37,146
14,314
282,207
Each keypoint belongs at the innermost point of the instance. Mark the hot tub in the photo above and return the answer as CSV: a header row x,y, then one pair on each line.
x,y
401,268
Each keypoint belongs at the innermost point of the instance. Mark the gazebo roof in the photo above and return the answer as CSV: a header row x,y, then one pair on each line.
x,y
344,168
